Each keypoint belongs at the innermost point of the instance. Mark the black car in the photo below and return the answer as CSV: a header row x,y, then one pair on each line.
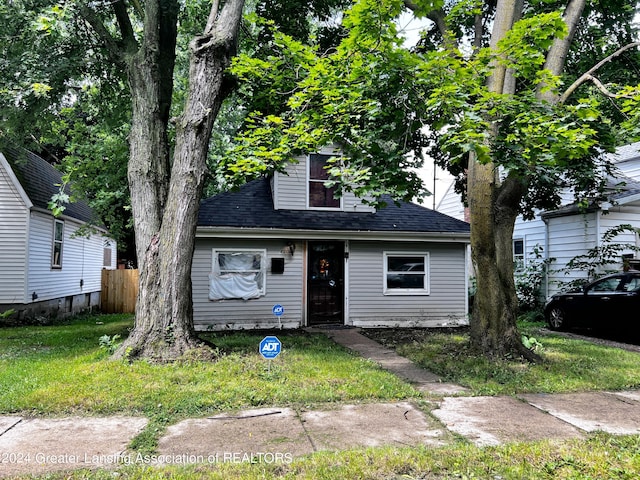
x,y
605,303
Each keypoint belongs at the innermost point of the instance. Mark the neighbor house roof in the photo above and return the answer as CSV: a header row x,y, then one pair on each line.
x,y
40,181
623,190
626,152
252,207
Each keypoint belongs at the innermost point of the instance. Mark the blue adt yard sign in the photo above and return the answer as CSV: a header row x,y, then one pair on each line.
x,y
278,310
270,347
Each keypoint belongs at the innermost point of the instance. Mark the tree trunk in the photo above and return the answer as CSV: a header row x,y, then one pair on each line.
x,y
493,208
493,211
493,205
164,328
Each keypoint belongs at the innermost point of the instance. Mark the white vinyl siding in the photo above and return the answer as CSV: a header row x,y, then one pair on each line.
x,y
451,204
370,307
83,258
14,218
572,235
284,288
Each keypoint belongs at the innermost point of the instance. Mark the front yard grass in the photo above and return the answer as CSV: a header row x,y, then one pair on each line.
x,y
569,365
63,370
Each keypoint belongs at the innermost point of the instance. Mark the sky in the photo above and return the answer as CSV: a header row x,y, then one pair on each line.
x,y
411,27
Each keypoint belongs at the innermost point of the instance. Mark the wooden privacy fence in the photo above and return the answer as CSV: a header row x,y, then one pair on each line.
x,y
119,291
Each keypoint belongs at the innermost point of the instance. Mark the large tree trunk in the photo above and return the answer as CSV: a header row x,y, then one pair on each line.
x,y
493,211
493,208
494,204
163,328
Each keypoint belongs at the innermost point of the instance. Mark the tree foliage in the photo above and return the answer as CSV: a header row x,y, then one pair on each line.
x,y
483,96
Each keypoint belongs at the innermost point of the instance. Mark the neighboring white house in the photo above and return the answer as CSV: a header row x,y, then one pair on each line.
x,y
45,269
568,232
285,241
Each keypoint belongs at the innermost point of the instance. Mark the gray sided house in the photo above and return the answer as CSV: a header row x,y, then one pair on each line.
x,y
45,269
286,241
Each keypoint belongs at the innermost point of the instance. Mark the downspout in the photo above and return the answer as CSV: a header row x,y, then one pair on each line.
x,y
546,256
345,287
467,273
597,232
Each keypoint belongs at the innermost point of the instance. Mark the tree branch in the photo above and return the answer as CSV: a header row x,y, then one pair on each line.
x,y
588,75
557,55
89,16
111,43
221,27
604,90
213,15
124,22
436,16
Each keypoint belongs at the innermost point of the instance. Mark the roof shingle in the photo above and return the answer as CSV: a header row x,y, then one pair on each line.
x,y
252,207
40,181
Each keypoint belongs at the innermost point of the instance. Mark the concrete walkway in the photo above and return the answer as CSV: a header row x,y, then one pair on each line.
x,y
277,435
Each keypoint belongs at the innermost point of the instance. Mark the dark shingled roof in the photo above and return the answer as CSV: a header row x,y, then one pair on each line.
x,y
252,207
39,180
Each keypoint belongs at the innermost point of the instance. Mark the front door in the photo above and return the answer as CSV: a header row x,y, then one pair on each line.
x,y
325,283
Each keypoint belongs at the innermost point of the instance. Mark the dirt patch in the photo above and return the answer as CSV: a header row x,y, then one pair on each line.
x,y
396,337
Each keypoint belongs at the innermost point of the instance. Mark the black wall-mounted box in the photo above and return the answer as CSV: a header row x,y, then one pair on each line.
x,y
277,265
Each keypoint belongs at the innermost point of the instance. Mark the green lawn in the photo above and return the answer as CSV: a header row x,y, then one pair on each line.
x,y
63,370
569,365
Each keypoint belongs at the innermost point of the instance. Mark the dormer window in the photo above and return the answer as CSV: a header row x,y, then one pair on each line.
x,y
320,196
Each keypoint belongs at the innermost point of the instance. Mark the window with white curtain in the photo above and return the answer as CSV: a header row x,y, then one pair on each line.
x,y
237,274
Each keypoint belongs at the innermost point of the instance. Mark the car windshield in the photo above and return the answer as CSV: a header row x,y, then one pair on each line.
x,y
632,285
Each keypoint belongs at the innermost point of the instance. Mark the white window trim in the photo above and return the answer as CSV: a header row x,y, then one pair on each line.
x,y
519,260
58,265
308,180
263,262
407,291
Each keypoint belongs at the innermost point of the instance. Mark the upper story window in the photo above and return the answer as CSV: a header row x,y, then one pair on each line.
x,y
320,196
58,241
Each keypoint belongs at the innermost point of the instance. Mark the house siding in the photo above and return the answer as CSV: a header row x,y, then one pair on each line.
x,y
81,260
451,204
284,289
572,235
370,307
14,215
367,305
533,234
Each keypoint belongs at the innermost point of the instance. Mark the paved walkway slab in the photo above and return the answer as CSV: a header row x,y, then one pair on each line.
x,y
423,380
279,435
7,423
496,420
617,413
371,425
267,434
41,445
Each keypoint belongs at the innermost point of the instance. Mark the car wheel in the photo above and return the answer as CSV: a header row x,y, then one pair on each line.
x,y
557,319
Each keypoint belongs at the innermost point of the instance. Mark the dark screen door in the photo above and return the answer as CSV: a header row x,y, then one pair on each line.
x,y
325,283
